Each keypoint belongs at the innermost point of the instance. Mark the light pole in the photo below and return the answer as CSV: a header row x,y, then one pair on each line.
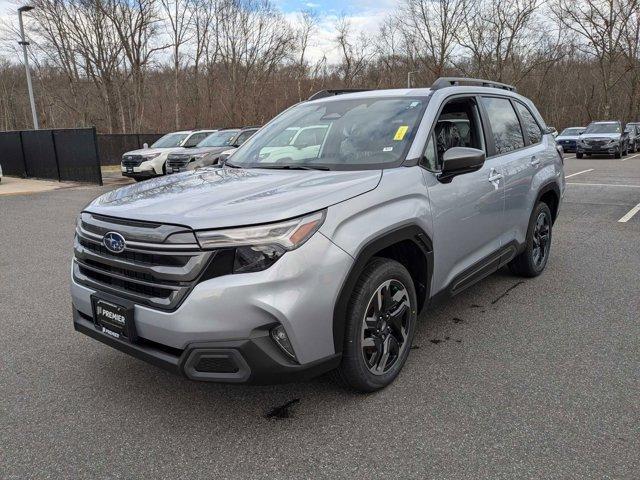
x,y
24,44
409,77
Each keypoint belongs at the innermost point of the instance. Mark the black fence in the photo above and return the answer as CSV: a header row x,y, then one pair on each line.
x,y
113,145
59,154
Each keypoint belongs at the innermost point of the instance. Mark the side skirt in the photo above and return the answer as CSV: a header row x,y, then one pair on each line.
x,y
477,272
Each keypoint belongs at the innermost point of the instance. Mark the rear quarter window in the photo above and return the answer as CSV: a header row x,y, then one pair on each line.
x,y
529,125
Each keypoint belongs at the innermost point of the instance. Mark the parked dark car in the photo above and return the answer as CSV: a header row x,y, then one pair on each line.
x,y
633,129
604,138
568,139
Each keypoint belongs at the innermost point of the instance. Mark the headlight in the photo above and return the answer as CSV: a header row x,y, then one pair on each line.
x,y
259,247
149,156
197,156
289,234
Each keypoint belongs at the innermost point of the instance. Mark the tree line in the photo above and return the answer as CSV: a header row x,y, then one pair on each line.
x,y
162,65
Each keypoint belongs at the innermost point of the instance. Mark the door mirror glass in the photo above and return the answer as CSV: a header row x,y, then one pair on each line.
x,y
460,160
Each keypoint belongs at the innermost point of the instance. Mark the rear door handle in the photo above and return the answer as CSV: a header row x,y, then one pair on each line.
x,y
535,162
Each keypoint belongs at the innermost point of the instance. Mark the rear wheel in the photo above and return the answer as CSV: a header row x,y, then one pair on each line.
x,y
381,321
533,260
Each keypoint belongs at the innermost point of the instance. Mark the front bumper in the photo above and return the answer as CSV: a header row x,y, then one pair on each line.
x,y
567,145
298,292
598,150
253,361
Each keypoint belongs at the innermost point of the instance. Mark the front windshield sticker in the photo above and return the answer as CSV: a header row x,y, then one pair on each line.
x,y
387,149
401,132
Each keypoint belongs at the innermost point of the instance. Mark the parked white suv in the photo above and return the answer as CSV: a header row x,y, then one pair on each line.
x,y
150,162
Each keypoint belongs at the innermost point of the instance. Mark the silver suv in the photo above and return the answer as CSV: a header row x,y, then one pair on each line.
x,y
268,270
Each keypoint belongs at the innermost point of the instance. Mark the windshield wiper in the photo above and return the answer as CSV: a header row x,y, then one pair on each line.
x,y
294,167
229,164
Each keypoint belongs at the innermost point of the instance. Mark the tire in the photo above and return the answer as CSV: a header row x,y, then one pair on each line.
x,y
164,168
362,368
528,264
618,154
579,155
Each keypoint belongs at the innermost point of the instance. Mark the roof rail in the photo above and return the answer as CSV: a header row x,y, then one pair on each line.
x,y
330,93
444,82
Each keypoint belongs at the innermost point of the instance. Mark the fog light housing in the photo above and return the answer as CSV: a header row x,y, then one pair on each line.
x,y
281,338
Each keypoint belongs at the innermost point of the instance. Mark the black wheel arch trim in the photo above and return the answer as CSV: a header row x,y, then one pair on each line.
x,y
410,232
545,188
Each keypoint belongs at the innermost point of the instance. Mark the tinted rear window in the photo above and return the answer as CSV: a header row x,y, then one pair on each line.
x,y
505,126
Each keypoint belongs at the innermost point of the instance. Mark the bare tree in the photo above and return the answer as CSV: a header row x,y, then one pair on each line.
x,y
179,17
599,27
430,28
354,50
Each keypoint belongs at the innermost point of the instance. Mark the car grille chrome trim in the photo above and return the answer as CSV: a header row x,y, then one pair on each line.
x,y
132,160
156,274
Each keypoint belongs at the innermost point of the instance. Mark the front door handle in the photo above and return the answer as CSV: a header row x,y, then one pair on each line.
x,y
494,178
535,162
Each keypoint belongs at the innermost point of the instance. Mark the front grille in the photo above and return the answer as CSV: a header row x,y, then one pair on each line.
x,y
132,160
596,143
150,271
178,161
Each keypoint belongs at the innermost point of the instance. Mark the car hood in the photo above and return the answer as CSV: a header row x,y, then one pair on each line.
x,y
225,197
148,151
197,151
612,136
567,137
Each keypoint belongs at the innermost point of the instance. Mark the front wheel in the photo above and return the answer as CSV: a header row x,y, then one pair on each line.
x,y
381,321
578,155
533,260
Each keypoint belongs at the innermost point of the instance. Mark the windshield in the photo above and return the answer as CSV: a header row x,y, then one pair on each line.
x,y
572,131
218,139
170,140
341,134
603,128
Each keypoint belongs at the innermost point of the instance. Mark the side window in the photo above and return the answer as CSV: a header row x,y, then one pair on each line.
x,y
529,124
243,137
507,133
458,125
195,139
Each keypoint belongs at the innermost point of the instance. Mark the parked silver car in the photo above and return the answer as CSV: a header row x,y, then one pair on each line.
x,y
208,151
267,272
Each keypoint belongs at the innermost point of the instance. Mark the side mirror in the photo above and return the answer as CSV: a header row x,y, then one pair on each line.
x,y
550,130
145,145
460,160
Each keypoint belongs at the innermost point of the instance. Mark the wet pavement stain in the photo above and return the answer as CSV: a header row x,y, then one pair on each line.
x,y
506,292
283,411
457,320
435,341
415,347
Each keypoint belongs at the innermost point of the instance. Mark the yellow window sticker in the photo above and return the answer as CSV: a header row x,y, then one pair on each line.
x,y
401,132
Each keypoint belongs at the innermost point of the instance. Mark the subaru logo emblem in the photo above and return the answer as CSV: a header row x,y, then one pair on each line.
x,y
114,242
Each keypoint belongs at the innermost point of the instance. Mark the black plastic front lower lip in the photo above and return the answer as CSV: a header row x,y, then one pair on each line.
x,y
264,363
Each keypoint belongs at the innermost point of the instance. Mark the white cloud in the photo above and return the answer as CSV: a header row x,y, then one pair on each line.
x,y
363,17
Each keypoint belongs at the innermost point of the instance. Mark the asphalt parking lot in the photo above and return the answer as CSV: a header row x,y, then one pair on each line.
x,y
512,379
